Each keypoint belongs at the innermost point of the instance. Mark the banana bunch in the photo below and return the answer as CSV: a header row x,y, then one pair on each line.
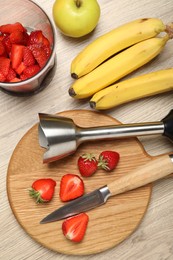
x,y
115,55
113,42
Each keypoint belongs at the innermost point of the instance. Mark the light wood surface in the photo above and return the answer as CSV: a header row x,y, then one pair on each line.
x,y
153,238
118,218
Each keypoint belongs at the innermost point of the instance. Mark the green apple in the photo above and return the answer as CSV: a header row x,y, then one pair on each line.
x,y
76,18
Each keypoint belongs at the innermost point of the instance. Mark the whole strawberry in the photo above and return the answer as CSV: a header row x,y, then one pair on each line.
x,y
87,164
42,190
108,160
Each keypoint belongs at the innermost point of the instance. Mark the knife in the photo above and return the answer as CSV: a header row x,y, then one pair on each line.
x,y
157,168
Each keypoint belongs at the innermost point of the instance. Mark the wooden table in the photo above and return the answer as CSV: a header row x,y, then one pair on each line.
x,y
153,239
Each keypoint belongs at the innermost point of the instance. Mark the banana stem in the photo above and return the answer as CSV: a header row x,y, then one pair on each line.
x,y
169,30
78,3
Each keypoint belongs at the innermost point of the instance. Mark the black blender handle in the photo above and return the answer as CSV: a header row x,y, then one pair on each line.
x,y
168,125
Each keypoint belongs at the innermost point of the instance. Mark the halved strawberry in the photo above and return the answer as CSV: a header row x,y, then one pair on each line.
x,y
74,228
28,58
4,65
30,71
39,54
9,28
16,55
43,190
71,187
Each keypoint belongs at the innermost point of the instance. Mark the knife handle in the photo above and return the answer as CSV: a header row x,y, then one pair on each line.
x,y
157,168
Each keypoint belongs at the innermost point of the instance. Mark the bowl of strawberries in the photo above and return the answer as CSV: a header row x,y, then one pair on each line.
x,y
27,46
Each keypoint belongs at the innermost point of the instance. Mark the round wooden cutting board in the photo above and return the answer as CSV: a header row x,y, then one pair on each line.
x,y
109,224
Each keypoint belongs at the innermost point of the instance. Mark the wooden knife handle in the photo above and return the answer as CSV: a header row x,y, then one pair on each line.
x,y
157,168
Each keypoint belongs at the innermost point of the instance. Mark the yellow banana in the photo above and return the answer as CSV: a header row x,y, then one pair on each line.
x,y
113,42
117,67
132,89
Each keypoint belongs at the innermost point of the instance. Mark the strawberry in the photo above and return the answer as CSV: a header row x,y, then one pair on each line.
x,y
17,37
2,49
16,55
11,75
71,187
87,164
28,58
1,37
74,228
47,49
9,28
4,65
42,190
27,52
37,37
15,80
30,71
20,68
39,54
7,43
108,160
2,77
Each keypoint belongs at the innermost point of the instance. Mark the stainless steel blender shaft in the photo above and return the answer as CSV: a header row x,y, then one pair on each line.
x,y
119,131
61,137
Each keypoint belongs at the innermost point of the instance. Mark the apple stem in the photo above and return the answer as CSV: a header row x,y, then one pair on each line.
x,y
78,3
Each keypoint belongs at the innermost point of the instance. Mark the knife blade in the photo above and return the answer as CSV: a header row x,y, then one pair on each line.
x,y
155,169
81,204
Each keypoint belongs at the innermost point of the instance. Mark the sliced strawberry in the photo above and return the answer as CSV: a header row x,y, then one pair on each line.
x,y
39,54
7,43
16,55
37,37
9,28
1,36
17,37
4,65
47,50
45,41
28,58
23,77
2,77
2,49
30,71
71,187
25,38
74,228
11,75
15,80
20,68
